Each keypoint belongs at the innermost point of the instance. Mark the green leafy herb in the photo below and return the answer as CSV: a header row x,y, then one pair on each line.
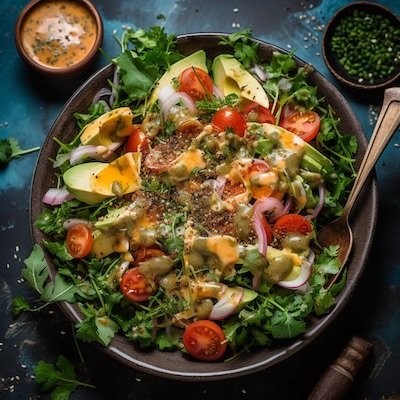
x,y
245,50
94,111
145,56
19,305
96,329
9,149
36,274
60,378
211,105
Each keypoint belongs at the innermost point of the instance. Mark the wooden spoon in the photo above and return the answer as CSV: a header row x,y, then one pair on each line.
x,y
339,232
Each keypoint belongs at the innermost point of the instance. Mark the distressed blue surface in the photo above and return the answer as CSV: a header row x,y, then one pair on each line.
x,y
26,113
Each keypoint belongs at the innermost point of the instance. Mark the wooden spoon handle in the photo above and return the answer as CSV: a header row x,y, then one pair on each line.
x,y
338,377
388,121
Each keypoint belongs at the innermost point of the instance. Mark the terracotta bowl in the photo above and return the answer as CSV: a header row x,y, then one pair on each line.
x,y
334,65
77,68
174,365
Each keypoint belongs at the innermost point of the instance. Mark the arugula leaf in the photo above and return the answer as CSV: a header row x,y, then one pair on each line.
x,y
245,50
58,250
36,271
9,149
60,378
36,274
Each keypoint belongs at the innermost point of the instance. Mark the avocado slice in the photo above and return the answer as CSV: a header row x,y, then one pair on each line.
x,y
109,128
121,218
77,181
197,59
103,244
230,76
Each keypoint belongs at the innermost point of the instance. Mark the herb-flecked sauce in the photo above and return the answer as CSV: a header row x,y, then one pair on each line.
x,y
59,33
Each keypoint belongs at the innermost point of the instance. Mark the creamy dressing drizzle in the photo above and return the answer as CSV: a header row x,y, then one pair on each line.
x,y
59,34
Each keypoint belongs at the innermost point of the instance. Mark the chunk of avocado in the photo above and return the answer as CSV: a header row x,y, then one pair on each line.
x,y
230,76
119,177
197,59
109,128
103,244
77,181
121,218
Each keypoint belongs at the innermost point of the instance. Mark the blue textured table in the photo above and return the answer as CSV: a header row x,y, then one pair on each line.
x,y
27,111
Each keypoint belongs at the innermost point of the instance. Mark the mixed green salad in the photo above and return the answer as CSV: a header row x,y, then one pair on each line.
x,y
187,205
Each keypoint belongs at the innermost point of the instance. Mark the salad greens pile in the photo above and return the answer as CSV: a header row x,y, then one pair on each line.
x,y
91,283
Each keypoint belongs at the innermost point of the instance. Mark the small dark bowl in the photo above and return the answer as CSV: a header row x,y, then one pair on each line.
x,y
72,71
334,65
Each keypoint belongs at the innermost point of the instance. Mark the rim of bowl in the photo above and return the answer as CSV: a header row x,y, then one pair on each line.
x,y
331,61
65,70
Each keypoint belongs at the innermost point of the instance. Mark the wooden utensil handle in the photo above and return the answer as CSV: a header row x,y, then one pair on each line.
x,y
338,377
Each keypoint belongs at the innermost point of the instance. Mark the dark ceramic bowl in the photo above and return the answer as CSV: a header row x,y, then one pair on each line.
x,y
69,72
175,365
334,65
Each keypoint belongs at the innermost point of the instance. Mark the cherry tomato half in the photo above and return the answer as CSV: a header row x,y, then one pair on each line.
x,y
79,241
259,191
228,117
145,253
256,113
196,83
204,340
304,124
135,286
137,141
291,223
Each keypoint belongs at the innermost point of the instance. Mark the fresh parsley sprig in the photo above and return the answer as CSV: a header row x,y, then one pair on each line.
x,y
9,149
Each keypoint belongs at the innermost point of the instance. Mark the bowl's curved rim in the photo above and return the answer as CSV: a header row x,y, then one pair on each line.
x,y
209,371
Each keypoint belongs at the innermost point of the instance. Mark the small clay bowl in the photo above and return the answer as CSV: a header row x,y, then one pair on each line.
x,y
59,47
334,65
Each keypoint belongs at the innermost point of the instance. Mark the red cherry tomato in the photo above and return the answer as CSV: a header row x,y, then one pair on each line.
x,y
204,340
268,230
256,113
145,253
137,141
257,167
79,241
228,117
291,223
196,83
304,124
135,286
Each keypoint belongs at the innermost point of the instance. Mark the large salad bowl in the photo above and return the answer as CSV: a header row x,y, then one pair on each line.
x,y
173,364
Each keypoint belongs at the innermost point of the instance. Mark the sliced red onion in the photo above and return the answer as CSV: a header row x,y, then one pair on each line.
x,y
311,257
101,153
167,97
259,72
304,275
320,205
221,182
217,92
260,233
256,281
270,205
55,197
114,146
81,152
69,223
228,304
115,84
288,205
101,93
